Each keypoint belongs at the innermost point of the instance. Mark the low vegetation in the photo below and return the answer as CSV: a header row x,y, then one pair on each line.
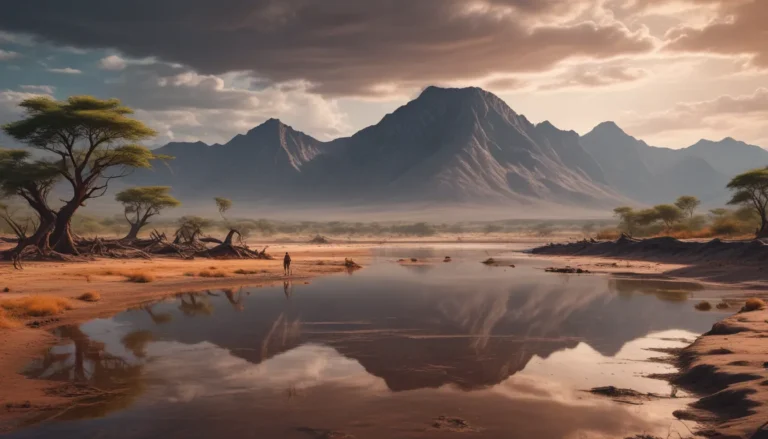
x,y
140,277
35,306
6,322
212,273
90,296
753,304
241,271
703,306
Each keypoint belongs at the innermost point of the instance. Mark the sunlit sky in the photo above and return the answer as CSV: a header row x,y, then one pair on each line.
x,y
668,72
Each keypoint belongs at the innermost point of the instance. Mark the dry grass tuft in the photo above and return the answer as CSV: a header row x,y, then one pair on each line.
x,y
753,304
140,277
723,305
607,235
703,306
6,322
241,271
189,274
208,273
35,306
90,296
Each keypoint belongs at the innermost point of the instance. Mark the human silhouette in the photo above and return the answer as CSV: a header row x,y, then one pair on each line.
x,y
287,264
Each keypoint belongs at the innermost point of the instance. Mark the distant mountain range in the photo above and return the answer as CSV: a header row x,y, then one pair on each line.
x,y
452,147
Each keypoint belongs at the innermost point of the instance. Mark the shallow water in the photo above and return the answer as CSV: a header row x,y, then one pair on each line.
x,y
383,353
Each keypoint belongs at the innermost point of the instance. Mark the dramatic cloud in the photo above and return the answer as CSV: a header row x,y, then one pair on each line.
x,y
112,62
6,55
742,116
66,71
595,76
341,47
183,105
47,89
738,29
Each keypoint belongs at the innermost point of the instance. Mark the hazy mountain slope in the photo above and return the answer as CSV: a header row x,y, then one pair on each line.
x,y
649,174
450,147
270,155
620,159
729,156
467,145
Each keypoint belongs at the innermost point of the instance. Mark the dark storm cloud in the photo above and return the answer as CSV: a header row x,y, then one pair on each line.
x,y
343,46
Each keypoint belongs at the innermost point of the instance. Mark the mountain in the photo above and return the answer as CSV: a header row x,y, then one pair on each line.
x,y
651,174
465,145
729,156
272,154
446,146
450,147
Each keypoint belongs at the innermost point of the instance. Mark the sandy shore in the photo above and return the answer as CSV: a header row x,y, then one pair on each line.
x,y
22,398
727,367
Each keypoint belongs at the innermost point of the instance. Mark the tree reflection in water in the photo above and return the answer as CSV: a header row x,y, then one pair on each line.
x,y
195,304
101,382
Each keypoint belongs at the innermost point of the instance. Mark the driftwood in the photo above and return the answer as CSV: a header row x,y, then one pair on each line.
x,y
184,246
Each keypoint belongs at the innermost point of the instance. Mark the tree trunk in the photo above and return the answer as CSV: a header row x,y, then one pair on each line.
x,y
762,232
134,232
230,235
61,239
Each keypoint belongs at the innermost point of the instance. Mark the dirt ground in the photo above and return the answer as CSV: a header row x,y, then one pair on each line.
x,y
21,397
744,279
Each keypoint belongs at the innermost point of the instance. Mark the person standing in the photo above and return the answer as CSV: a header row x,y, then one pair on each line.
x,y
287,264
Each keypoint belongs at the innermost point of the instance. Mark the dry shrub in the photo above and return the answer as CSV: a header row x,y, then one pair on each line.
x,y
6,322
35,306
140,277
90,296
703,306
607,235
208,273
691,234
189,274
241,271
753,304
723,305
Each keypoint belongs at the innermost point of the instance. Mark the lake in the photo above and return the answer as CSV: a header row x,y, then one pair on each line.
x,y
390,351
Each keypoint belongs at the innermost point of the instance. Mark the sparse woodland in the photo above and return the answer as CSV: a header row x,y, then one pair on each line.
x,y
83,144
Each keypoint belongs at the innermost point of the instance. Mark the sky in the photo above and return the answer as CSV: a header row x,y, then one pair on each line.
x,y
669,72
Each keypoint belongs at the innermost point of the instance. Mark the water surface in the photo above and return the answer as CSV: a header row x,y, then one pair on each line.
x,y
383,353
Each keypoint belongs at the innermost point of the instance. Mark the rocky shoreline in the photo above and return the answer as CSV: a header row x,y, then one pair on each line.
x,y
663,249
727,368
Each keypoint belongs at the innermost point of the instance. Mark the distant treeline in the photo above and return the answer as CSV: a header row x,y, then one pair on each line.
x,y
117,226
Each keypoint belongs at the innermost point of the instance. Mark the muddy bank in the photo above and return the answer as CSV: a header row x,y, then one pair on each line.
x,y
737,263
664,249
728,368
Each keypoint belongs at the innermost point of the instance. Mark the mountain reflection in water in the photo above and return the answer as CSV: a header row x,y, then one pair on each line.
x,y
380,354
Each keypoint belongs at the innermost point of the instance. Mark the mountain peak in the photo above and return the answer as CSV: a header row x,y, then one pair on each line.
x,y
270,123
609,126
466,93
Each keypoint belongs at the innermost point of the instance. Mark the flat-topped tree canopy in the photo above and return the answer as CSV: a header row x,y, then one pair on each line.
x,y
142,203
751,189
95,141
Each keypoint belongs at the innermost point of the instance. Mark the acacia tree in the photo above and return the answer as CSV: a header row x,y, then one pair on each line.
x,y
628,218
142,203
669,214
751,189
688,204
223,204
32,181
93,141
